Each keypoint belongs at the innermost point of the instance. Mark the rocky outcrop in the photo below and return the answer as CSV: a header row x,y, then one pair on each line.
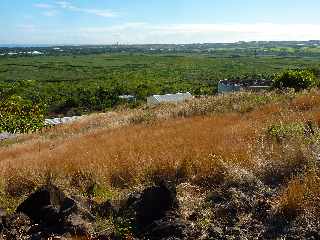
x,y
49,212
153,208
226,212
154,203
54,213
44,206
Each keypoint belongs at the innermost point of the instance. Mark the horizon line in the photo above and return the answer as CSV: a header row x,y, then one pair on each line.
x,y
140,44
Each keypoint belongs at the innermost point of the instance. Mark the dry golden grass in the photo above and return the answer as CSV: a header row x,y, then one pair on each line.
x,y
302,193
204,141
130,154
306,101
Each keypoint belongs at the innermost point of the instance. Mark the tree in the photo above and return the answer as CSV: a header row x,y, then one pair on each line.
x,y
18,115
297,79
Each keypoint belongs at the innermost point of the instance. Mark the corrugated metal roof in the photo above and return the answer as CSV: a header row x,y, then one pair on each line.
x,y
57,121
54,121
127,97
173,97
6,135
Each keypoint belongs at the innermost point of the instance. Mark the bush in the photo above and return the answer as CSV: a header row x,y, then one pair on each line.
x,y
297,79
20,116
282,131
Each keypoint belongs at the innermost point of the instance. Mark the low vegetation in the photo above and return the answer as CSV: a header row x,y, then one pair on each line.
x,y
251,150
296,79
77,82
20,116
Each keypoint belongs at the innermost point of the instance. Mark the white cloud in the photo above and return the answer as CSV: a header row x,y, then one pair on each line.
x,y
101,13
65,5
50,13
98,12
139,32
43,5
191,33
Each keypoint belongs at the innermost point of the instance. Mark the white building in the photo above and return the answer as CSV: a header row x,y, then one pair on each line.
x,y
48,122
168,98
128,98
58,121
229,86
6,135
36,53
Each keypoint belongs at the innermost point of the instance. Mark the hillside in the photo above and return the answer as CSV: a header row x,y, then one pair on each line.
x,y
244,166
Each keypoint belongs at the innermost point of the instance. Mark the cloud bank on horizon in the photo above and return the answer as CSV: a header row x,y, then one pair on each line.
x,y
73,22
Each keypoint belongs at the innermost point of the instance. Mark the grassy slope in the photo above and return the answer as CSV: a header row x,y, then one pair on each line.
x,y
207,142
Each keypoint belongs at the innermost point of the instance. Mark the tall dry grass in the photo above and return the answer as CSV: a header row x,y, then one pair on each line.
x,y
206,141
133,154
302,195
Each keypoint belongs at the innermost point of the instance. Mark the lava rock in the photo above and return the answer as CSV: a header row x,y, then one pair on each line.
x,y
167,228
77,226
105,209
70,206
56,213
155,202
43,206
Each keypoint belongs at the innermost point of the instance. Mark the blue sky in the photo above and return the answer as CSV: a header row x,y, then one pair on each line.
x,y
156,21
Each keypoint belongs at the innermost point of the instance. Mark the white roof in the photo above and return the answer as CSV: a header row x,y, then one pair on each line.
x,y
57,121
6,135
36,53
172,97
126,96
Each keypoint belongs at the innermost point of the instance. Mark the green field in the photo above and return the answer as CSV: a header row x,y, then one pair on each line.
x,y
82,83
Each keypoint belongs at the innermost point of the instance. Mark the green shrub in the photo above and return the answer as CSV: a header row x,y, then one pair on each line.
x,y
282,130
297,79
18,115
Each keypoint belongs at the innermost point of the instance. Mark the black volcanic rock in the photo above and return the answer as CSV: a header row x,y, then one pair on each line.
x,y
155,202
105,209
54,212
167,228
43,206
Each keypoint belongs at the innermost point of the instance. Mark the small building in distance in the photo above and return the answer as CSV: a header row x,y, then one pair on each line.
x,y
225,86
228,86
58,121
168,98
6,135
128,98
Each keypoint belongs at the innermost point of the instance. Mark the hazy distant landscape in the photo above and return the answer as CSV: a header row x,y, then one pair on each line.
x,y
68,79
